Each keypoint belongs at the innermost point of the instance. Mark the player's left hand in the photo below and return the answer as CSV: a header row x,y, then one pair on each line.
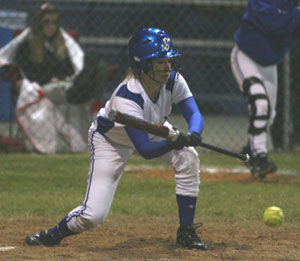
x,y
194,138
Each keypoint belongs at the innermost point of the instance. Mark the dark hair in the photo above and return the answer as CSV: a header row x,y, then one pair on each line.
x,y
37,39
46,8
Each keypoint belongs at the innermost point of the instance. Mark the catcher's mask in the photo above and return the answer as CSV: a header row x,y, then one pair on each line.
x,y
149,44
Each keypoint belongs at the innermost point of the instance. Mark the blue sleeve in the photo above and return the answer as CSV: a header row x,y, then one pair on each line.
x,y
192,115
147,148
273,15
296,17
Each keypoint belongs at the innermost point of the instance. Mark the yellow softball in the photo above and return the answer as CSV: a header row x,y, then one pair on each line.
x,y
273,216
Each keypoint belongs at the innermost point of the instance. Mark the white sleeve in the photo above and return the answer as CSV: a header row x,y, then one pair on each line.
x,y
75,52
8,52
127,106
181,89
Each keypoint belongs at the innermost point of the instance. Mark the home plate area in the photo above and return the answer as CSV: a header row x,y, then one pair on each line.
x,y
211,173
6,248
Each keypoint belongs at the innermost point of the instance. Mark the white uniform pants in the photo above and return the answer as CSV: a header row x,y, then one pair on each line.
x,y
108,161
243,67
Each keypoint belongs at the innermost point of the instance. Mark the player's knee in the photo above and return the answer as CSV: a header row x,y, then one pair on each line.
x,y
259,116
259,105
249,82
262,106
186,161
187,172
194,165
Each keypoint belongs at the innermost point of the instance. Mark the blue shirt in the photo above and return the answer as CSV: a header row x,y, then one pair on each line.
x,y
266,30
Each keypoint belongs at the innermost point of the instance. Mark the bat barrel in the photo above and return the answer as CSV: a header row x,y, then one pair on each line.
x,y
139,123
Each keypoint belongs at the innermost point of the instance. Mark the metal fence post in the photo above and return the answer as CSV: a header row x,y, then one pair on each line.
x,y
286,103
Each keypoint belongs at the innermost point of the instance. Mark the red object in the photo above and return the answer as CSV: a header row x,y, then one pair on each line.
x,y
12,144
96,105
17,32
11,73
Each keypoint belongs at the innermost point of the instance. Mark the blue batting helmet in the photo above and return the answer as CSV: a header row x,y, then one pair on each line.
x,y
149,43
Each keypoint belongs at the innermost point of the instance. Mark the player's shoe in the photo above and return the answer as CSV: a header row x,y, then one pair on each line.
x,y
44,237
260,166
187,237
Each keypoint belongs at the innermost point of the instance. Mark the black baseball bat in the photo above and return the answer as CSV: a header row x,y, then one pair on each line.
x,y
163,131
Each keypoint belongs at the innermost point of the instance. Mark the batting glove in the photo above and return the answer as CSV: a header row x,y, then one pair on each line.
x,y
194,138
181,141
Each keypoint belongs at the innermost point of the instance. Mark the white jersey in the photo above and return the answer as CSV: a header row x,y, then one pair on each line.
x,y
131,98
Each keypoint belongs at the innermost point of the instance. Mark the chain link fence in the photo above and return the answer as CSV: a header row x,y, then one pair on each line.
x,y
202,31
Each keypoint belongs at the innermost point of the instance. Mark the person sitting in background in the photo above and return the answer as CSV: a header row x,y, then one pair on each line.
x,y
47,66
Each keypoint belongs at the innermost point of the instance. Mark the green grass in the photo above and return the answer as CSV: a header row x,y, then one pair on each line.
x,y
52,185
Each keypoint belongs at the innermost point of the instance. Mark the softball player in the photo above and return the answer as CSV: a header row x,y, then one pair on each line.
x,y
148,91
262,42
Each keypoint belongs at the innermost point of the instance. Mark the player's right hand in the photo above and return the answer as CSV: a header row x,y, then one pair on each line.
x,y
182,140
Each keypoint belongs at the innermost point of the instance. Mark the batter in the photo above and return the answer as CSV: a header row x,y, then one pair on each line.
x,y
148,92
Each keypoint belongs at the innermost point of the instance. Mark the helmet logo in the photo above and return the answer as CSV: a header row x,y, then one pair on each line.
x,y
166,44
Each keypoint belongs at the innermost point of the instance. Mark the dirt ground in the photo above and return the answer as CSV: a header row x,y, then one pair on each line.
x,y
149,238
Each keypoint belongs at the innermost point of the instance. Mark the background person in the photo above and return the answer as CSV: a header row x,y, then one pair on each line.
x,y
51,68
148,91
261,43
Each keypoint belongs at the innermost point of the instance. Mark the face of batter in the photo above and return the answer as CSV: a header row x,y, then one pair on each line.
x,y
156,77
161,69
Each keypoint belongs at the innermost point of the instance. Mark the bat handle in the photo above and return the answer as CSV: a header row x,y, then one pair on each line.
x,y
242,157
112,115
173,134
